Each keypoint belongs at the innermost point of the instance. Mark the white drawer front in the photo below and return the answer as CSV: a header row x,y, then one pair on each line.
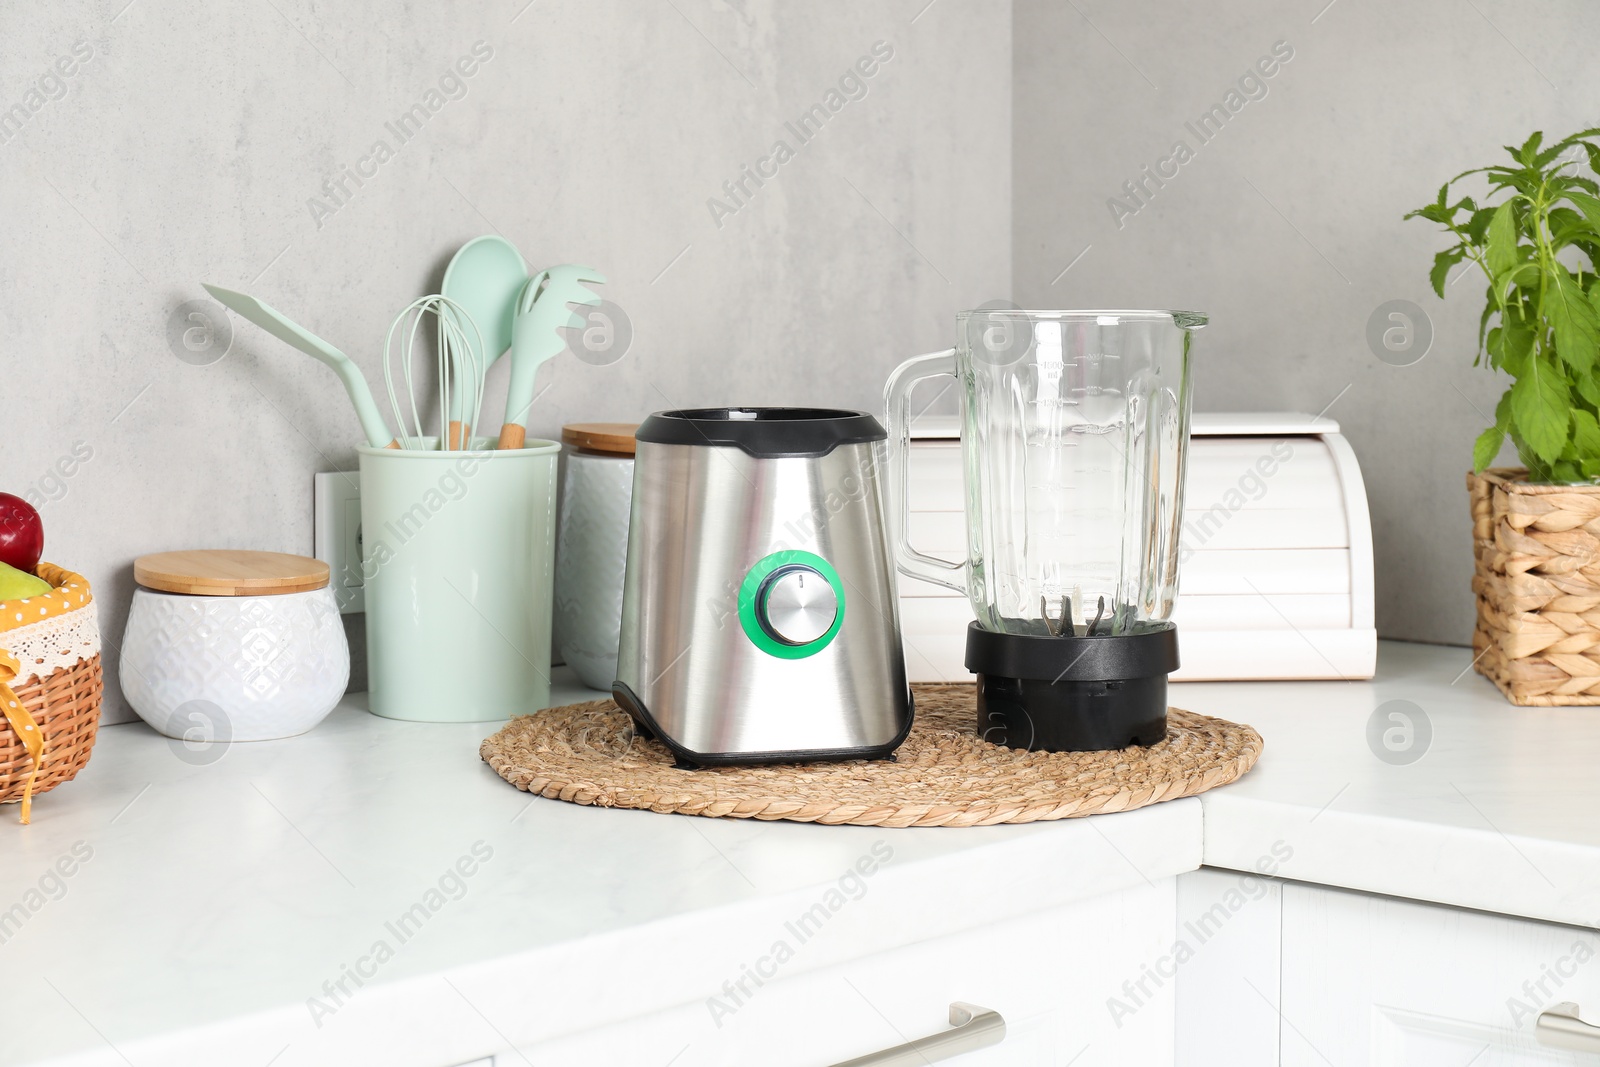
x,y
1048,976
1388,983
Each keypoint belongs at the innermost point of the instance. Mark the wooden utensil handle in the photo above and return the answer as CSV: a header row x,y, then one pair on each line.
x,y
512,435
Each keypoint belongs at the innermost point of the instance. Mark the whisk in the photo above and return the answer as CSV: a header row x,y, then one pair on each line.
x,y
458,361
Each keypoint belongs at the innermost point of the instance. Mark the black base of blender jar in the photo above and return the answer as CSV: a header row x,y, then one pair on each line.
x,y
1072,694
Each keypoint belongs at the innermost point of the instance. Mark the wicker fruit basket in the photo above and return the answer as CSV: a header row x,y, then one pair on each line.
x,y
1537,578
50,687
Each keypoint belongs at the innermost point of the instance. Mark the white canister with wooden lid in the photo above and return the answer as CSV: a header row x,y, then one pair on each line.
x,y
592,547
229,645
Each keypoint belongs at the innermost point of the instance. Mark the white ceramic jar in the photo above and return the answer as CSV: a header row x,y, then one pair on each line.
x,y
233,646
592,547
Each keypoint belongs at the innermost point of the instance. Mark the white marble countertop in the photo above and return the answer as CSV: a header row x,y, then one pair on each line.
x,y
209,901
1498,811
217,898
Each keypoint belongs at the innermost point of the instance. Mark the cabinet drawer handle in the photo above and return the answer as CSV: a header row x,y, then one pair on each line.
x,y
975,1028
1560,1027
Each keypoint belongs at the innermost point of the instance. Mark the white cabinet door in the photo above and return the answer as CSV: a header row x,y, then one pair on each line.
x,y
1228,925
1050,975
1389,983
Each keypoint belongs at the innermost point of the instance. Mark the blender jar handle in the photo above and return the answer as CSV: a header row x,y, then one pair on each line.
x,y
897,402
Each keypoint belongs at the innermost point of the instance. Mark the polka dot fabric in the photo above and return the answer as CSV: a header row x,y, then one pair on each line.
x,y
69,592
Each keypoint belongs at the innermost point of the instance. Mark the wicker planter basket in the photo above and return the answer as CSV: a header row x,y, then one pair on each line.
x,y
1537,580
50,687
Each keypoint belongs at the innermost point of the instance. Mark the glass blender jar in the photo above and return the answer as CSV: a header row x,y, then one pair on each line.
x,y
1075,431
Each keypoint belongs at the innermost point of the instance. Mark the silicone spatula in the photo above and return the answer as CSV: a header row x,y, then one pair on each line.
x,y
290,332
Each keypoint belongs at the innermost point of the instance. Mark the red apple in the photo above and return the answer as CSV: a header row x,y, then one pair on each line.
x,y
21,534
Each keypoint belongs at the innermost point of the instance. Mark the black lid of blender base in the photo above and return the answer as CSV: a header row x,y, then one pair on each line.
x,y
765,433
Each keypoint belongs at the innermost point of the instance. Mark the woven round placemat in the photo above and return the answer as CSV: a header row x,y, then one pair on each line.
x,y
943,775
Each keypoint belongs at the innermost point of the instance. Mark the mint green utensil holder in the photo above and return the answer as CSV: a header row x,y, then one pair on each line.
x,y
458,567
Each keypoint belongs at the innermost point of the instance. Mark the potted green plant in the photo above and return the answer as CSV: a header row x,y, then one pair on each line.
x,y
1535,528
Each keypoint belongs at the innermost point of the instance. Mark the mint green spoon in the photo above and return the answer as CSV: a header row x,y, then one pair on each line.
x,y
287,330
484,278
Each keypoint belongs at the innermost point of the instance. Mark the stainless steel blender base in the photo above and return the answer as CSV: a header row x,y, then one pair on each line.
x,y
687,759
759,621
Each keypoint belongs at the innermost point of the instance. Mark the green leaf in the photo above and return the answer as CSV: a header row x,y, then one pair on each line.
x,y
1585,435
1530,147
1576,138
1564,218
1526,182
1563,472
1433,213
1441,267
1502,251
1511,343
1524,276
1589,248
1545,158
1574,319
1478,225
1589,205
1589,389
1541,406
1567,226
1487,447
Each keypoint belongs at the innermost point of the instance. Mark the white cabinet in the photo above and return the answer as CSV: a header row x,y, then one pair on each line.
x,y
1228,923
1304,976
1050,976
1390,983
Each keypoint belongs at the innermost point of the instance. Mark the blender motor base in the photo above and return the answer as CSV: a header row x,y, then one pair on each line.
x,y
1065,716
1069,693
685,759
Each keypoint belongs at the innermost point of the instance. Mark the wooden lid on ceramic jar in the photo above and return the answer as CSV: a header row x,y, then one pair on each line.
x,y
608,438
229,572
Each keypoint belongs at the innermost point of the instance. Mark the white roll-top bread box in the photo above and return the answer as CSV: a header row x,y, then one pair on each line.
x,y
1275,580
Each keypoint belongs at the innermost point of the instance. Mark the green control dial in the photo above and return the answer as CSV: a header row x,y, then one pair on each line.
x,y
791,604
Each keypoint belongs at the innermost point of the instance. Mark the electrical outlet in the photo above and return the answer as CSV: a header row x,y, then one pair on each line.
x,y
337,518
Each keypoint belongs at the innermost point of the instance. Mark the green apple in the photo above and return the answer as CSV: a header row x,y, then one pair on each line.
x,y
18,585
